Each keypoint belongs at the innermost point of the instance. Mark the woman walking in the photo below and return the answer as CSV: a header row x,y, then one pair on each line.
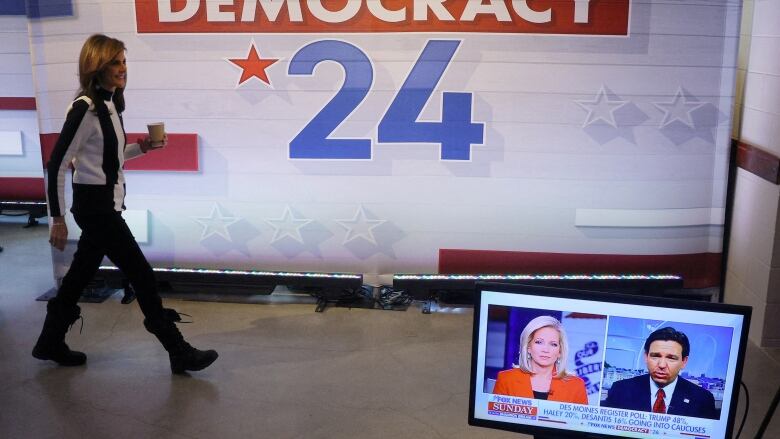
x,y
93,141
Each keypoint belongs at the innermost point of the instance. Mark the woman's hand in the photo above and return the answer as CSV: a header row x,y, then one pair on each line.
x,y
58,235
147,144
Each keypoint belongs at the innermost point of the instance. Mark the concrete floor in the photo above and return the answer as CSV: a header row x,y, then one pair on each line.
x,y
284,371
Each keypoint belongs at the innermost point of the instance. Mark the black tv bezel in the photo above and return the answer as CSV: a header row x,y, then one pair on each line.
x,y
572,293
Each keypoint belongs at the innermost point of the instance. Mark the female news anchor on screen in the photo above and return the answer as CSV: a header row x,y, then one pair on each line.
x,y
541,369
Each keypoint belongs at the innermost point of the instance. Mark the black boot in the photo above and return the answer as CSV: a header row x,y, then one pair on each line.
x,y
51,343
183,356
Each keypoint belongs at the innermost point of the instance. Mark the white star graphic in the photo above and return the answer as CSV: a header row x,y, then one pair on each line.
x,y
601,108
216,223
288,225
679,108
360,227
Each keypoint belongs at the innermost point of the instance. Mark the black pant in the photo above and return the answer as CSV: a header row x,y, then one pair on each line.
x,y
108,235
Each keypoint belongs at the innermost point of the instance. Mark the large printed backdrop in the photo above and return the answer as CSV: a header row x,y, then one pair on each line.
x,y
370,136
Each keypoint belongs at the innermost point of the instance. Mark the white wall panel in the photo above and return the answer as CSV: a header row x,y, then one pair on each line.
x,y
11,143
765,18
22,150
571,123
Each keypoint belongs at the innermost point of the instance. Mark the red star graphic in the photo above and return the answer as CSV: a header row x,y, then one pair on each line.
x,y
253,65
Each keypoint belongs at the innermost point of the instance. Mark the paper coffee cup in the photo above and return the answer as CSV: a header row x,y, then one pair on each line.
x,y
156,131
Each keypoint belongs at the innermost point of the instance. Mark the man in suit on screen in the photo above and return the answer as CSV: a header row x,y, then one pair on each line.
x,y
662,390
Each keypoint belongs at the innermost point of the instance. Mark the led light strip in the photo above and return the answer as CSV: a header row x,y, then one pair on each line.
x,y
536,277
37,203
248,273
423,277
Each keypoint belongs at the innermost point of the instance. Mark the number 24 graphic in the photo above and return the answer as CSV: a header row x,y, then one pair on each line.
x,y
456,132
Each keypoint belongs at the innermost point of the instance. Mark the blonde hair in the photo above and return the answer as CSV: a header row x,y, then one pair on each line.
x,y
524,362
97,53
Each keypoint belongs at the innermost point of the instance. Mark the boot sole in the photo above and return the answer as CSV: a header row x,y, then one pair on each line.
x,y
44,356
180,370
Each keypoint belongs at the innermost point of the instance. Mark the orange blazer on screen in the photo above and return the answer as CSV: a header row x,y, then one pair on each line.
x,y
515,382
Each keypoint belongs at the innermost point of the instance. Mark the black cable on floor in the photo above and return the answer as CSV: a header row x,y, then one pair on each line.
x,y
768,416
389,298
747,406
367,292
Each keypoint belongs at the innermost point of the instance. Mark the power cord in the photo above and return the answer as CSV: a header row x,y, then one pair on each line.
x,y
769,413
367,291
387,298
390,298
747,406
345,296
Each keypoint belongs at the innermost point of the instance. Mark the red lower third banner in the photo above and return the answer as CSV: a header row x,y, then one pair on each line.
x,y
698,270
181,153
17,103
22,189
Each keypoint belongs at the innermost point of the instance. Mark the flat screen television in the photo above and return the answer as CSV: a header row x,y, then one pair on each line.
x,y
583,370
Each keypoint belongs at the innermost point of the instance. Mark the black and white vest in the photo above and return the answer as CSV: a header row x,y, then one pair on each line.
x,y
92,140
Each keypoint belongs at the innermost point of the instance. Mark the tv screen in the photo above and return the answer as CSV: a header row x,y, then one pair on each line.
x,y
557,362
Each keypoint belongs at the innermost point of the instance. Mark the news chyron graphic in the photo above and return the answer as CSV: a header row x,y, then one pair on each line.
x,y
397,136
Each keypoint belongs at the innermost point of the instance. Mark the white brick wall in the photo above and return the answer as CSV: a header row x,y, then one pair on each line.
x,y
761,121
753,274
